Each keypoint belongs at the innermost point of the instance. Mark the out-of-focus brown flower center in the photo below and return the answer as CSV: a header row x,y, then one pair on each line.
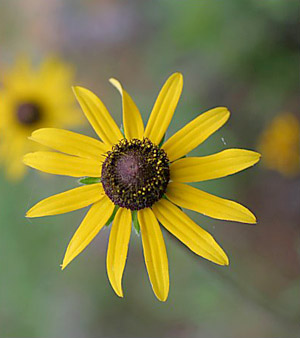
x,y
28,113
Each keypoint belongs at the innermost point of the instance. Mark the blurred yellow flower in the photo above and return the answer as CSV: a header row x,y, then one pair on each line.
x,y
280,145
32,98
137,178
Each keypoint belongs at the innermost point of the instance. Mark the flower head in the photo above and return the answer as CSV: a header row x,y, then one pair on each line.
x,y
30,99
137,178
280,145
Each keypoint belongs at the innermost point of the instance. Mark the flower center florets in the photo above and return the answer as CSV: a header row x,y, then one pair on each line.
x,y
28,113
135,174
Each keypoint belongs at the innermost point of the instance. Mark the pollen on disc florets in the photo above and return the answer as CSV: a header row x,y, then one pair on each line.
x,y
135,174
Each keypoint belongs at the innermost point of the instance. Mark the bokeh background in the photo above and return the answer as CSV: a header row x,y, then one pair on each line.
x,y
241,54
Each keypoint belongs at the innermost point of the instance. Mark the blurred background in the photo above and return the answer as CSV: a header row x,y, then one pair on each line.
x,y
240,54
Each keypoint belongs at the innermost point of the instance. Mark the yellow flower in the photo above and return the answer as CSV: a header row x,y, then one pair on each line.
x,y
30,99
280,145
138,181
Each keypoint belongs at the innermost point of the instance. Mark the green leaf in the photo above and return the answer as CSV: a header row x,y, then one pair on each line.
x,y
111,218
89,180
135,222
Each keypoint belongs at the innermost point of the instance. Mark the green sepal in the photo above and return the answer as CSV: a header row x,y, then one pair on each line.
x,y
162,141
122,130
179,158
89,180
135,222
111,218
166,198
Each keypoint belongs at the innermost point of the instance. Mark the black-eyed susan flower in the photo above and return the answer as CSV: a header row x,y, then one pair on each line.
x,y
280,145
138,181
31,98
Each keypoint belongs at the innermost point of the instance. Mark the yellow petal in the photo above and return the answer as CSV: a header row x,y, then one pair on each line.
x,y
93,222
132,120
224,163
195,132
70,143
61,164
98,116
188,232
194,199
155,253
118,248
164,108
67,201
